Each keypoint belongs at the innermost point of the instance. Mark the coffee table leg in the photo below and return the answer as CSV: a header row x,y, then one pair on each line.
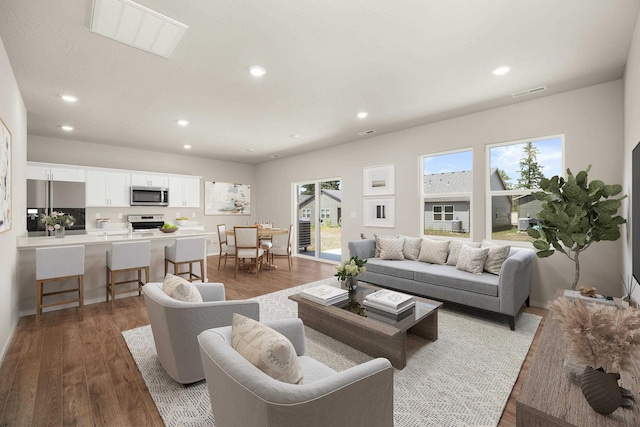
x,y
427,328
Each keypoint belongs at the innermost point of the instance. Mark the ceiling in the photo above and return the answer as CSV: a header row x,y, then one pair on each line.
x,y
405,62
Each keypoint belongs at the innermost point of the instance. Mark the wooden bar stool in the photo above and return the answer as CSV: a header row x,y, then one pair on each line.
x,y
57,264
124,257
186,250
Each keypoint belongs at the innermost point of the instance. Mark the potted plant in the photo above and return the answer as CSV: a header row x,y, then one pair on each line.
x,y
575,214
348,271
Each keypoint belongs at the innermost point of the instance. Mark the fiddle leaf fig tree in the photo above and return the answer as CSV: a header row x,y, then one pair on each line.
x,y
575,214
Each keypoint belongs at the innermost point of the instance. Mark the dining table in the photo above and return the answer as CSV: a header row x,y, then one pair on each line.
x,y
266,234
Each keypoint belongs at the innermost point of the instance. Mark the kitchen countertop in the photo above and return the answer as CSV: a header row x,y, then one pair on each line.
x,y
25,242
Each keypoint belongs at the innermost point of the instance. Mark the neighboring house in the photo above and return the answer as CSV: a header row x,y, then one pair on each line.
x,y
528,206
446,207
330,206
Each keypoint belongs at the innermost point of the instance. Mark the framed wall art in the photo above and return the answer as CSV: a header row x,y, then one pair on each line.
x,y
225,198
378,180
379,212
5,178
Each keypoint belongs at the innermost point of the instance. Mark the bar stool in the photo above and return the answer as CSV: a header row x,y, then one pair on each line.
x,y
123,257
57,264
186,250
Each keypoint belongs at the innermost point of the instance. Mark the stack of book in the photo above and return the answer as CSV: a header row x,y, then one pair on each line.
x,y
325,294
389,306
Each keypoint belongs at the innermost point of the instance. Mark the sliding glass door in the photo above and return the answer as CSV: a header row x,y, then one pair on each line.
x,y
319,219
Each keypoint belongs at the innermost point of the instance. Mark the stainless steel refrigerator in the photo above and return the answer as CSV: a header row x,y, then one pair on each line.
x,y
43,197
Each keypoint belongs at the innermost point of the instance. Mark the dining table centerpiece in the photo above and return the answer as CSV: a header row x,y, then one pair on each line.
x,y
57,222
348,272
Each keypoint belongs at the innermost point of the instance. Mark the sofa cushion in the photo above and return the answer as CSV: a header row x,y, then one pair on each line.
x,y
404,269
391,248
180,289
472,259
411,248
454,250
496,256
434,251
376,253
266,348
450,277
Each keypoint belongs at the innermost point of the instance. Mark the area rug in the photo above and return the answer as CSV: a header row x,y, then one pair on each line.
x,y
462,379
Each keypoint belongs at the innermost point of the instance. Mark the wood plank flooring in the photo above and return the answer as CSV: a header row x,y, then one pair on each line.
x,y
66,372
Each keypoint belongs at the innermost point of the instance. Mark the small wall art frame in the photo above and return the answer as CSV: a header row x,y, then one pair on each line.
x,y
378,180
226,198
5,178
379,212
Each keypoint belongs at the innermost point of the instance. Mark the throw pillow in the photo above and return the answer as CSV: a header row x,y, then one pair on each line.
x,y
434,251
391,248
496,256
266,348
454,250
411,248
472,259
180,289
376,252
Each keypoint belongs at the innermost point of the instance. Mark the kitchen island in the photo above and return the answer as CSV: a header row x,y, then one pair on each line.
x,y
96,246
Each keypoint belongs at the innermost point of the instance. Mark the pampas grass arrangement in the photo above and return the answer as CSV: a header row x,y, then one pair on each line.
x,y
598,335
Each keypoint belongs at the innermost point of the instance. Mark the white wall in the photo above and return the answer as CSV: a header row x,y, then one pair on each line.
x,y
14,115
590,118
631,138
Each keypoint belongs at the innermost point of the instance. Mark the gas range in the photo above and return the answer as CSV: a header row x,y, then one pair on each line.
x,y
146,222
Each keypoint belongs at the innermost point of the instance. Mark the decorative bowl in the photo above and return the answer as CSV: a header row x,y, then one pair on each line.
x,y
168,230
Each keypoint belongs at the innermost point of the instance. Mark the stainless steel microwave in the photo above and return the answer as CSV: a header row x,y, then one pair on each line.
x,y
149,196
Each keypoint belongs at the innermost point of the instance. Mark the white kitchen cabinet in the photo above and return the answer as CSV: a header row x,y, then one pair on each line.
x,y
149,180
184,191
107,189
47,172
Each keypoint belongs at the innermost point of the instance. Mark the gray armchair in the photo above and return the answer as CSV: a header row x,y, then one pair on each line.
x,y
176,325
243,395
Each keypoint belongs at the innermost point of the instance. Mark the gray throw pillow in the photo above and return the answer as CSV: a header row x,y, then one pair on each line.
x,y
472,259
391,248
376,252
411,248
434,251
496,256
454,250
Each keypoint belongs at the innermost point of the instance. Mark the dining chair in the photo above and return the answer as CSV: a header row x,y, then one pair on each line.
x,y
225,248
283,251
248,247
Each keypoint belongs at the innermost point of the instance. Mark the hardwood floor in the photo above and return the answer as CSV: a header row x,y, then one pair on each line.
x,y
79,373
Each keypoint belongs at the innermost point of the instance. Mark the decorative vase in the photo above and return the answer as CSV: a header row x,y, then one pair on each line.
x,y
351,283
59,233
601,390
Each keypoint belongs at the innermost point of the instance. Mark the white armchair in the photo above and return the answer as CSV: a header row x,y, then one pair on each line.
x,y
176,325
243,395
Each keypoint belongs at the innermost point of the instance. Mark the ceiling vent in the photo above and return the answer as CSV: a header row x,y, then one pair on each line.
x,y
366,132
528,91
135,25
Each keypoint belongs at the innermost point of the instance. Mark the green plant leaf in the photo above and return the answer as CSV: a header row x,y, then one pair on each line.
x,y
532,232
541,245
544,254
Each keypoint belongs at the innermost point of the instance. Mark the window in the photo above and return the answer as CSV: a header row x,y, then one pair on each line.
x,y
325,213
514,172
305,213
447,183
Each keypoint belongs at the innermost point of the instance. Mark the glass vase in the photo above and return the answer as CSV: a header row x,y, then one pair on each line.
x,y
59,233
351,283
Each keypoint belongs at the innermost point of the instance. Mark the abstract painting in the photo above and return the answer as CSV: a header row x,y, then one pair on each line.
x,y
225,198
5,178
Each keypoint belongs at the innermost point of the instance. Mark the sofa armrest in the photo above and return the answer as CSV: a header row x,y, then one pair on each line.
x,y
514,285
363,249
211,291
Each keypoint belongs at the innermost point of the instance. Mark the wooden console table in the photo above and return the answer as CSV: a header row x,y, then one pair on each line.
x,y
549,398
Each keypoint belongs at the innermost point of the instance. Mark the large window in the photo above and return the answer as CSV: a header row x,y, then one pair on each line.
x,y
514,172
447,183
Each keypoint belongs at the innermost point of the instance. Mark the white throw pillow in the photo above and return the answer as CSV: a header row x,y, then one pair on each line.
x,y
454,250
472,259
496,256
266,348
411,248
180,289
391,248
376,252
434,251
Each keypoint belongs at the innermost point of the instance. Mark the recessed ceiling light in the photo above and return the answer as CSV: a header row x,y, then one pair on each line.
x,y
183,122
67,128
294,135
501,70
275,156
362,114
69,98
257,71
251,150
186,146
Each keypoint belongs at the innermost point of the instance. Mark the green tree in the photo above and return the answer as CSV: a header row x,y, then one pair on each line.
x,y
309,189
530,169
506,179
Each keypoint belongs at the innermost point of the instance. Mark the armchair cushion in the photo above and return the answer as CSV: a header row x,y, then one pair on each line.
x,y
180,289
265,348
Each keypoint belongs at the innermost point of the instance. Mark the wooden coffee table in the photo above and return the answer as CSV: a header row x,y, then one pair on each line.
x,y
374,337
